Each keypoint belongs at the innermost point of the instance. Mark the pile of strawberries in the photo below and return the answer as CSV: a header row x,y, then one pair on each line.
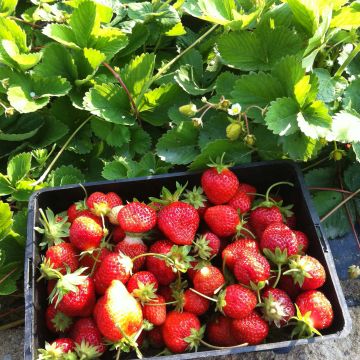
x,y
218,266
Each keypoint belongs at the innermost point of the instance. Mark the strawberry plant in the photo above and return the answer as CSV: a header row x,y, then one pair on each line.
x,y
101,89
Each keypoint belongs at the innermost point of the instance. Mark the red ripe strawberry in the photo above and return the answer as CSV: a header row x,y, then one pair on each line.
x,y
240,202
60,257
179,222
251,267
236,301
166,292
314,313
208,279
62,348
194,303
98,204
207,245
287,284
307,272
291,221
56,321
222,220
110,314
93,260
262,217
155,337
88,338
143,285
89,214
85,233
75,209
219,183
115,266
137,217
154,310
219,332
113,199
277,306
164,274
248,189
303,241
234,250
118,234
74,295
181,331
252,330
133,246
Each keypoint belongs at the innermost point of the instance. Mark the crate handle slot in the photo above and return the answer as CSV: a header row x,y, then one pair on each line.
x,y
321,237
29,273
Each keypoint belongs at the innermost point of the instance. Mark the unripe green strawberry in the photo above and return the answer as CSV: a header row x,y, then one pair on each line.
x,y
188,110
233,131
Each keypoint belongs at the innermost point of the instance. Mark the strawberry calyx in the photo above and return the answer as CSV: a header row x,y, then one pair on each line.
x,y
195,338
166,197
274,311
55,352
61,322
219,165
304,328
353,271
47,270
86,351
127,343
180,258
54,229
195,197
145,292
298,269
202,248
279,258
147,325
241,228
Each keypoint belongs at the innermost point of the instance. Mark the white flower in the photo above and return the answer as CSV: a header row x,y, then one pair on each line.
x,y
235,109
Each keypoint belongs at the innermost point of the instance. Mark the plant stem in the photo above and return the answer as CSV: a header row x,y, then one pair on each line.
x,y
315,164
340,205
202,295
221,347
11,311
121,82
171,62
267,195
63,148
278,276
12,324
350,58
24,22
316,188
7,275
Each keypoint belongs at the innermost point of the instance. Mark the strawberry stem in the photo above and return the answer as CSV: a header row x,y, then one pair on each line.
x,y
222,347
159,304
267,195
203,295
161,256
279,266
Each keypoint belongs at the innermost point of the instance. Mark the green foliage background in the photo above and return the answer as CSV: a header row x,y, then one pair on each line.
x,y
292,65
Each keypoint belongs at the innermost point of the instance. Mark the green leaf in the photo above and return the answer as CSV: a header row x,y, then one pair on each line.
x,y
137,38
82,142
281,117
62,34
299,146
110,102
6,220
115,170
57,61
352,178
10,30
355,147
236,152
213,129
329,88
88,62
352,95
315,121
321,177
347,18
345,128
260,49
178,145
65,175
112,134
267,143
20,227
225,82
305,13
5,186
217,11
9,274
18,167
140,142
7,7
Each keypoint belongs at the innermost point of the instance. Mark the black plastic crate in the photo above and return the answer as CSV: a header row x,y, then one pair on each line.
x,y
261,174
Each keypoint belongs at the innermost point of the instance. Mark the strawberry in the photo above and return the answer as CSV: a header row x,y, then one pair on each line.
x,y
62,348
236,302
277,306
98,204
307,272
234,250
207,245
164,273
219,183
262,217
113,200
155,337
117,309
88,339
115,266
208,279
302,240
251,329
249,190
219,332
194,303
75,210
89,214
314,312
240,202
222,220
166,292
56,321
182,331
137,217
133,246
92,260
60,257
287,284
85,233
251,267
118,234
74,294
143,285
290,221
154,310
197,199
